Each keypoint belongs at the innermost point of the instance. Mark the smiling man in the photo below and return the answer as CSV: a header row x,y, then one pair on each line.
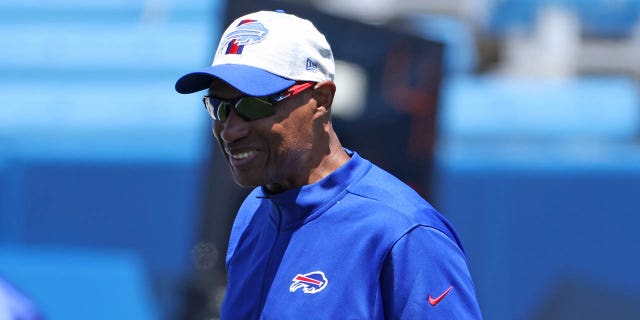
x,y
325,234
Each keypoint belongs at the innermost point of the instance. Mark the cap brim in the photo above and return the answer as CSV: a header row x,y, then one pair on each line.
x,y
248,80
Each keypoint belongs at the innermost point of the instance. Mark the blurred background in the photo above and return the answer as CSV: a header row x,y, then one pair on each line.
x,y
518,119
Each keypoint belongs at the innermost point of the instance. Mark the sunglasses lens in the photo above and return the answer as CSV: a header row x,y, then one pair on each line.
x,y
251,108
248,108
222,111
213,107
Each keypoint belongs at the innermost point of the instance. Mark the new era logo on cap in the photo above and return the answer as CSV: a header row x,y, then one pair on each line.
x,y
311,66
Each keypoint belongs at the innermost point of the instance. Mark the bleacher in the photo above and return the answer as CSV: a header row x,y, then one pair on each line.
x,y
541,179
599,18
538,167
101,162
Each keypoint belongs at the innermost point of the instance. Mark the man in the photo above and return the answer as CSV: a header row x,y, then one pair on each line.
x,y
325,234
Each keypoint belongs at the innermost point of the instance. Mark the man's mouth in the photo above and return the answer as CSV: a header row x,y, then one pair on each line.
x,y
241,155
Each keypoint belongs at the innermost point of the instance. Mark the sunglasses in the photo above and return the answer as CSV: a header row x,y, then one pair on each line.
x,y
250,108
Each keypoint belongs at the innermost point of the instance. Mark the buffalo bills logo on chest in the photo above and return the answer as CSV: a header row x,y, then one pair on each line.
x,y
246,33
312,282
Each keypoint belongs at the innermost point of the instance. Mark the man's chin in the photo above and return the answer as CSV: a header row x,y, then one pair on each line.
x,y
245,181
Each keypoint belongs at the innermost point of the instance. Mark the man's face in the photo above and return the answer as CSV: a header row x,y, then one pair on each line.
x,y
271,151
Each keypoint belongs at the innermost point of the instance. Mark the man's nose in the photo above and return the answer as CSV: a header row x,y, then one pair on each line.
x,y
234,128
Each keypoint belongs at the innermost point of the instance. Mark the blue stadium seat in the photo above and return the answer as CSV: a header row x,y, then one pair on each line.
x,y
102,50
600,18
490,107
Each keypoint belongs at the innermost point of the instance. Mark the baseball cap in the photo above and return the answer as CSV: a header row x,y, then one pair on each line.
x,y
263,53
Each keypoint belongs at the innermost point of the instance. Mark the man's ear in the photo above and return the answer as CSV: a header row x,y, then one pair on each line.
x,y
323,93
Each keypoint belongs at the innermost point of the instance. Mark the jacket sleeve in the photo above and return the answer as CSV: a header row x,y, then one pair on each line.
x,y
425,276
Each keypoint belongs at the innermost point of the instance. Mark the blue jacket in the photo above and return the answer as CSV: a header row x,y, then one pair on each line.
x,y
358,244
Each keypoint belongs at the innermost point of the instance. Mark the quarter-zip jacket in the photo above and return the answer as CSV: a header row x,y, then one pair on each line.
x,y
358,244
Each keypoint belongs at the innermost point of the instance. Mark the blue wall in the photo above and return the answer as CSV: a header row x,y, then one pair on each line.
x,y
541,179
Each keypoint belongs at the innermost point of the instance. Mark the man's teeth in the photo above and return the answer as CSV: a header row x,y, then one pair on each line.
x,y
240,156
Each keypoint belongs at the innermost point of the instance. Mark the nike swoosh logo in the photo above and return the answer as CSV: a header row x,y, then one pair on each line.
x,y
437,300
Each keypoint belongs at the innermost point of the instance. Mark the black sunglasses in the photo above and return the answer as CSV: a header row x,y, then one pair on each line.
x,y
248,107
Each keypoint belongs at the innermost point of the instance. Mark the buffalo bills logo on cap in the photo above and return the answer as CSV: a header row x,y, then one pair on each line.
x,y
247,32
312,282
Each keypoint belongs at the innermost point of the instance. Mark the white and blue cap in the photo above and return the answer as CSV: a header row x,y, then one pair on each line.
x,y
263,53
